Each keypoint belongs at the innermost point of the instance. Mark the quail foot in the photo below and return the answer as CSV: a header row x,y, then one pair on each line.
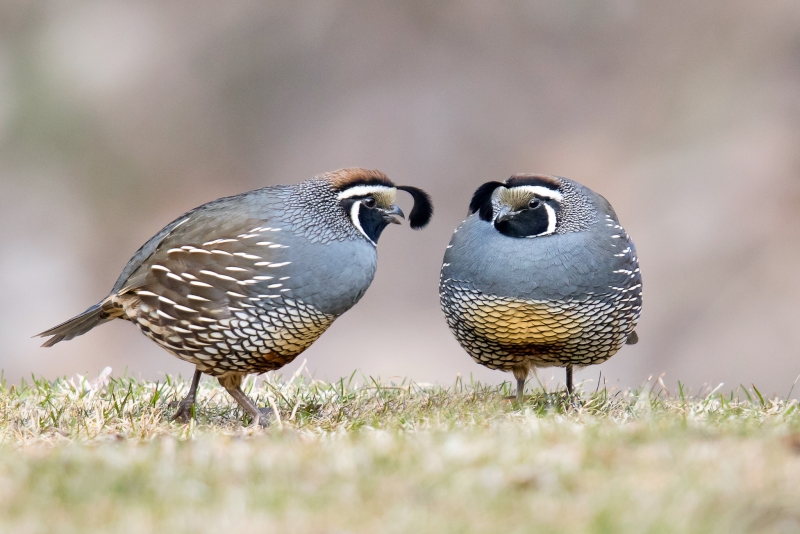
x,y
244,284
540,274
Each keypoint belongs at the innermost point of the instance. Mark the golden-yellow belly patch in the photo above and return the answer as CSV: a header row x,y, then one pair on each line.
x,y
521,323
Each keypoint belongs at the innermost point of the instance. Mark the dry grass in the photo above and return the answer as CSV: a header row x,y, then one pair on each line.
x,y
102,456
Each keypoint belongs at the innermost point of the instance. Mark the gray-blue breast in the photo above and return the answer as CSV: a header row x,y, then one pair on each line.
x,y
541,273
245,283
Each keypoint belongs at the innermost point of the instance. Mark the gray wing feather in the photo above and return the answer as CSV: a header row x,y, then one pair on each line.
x,y
219,218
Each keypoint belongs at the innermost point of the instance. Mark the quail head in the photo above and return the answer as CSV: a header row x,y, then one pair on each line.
x,y
244,284
540,274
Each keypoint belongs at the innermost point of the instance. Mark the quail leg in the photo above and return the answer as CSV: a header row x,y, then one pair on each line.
x,y
260,417
574,400
232,384
569,381
521,374
184,411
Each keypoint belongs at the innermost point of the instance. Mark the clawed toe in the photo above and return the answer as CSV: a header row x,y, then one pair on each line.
x,y
184,412
266,417
574,402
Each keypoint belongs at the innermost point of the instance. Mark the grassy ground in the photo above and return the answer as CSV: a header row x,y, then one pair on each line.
x,y
102,456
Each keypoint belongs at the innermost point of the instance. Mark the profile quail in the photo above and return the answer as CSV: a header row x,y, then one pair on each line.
x,y
243,284
540,274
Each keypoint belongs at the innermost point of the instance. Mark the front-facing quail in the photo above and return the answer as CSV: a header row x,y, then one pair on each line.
x,y
540,274
244,284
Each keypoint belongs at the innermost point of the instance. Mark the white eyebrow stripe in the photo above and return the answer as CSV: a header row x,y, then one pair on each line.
x,y
361,190
539,191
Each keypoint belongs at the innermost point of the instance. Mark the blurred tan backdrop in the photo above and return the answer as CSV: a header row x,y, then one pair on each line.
x,y
116,116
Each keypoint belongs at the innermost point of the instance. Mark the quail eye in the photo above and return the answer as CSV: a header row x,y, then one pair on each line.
x,y
369,202
534,203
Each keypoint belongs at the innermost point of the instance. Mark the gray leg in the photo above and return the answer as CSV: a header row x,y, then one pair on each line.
x,y
569,380
232,384
521,374
184,412
520,389
574,400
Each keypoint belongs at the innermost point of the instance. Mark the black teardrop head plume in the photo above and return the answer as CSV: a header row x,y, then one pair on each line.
x,y
482,200
422,211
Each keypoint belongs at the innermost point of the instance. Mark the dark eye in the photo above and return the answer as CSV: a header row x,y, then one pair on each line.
x,y
369,202
534,203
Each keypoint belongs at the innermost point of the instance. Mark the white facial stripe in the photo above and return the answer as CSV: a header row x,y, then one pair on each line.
x,y
354,209
540,191
551,219
362,190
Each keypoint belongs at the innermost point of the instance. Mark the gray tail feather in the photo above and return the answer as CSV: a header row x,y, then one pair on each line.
x,y
78,325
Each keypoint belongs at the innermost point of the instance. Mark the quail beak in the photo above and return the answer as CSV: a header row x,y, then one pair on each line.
x,y
391,212
504,215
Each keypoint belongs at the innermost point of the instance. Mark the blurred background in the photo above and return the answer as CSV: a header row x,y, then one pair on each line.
x,y
117,116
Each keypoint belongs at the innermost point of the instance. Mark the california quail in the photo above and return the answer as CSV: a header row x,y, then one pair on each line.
x,y
243,284
540,274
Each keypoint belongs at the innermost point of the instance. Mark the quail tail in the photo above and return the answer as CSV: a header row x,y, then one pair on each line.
x,y
78,325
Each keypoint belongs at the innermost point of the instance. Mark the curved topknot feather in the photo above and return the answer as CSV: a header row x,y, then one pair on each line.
x,y
422,211
482,200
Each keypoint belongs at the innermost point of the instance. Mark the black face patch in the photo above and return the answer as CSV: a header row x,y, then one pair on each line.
x,y
372,221
482,200
526,223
